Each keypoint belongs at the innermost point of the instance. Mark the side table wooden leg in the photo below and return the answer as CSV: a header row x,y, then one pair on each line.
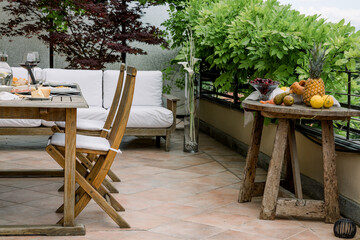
x,y
294,160
268,208
247,181
331,194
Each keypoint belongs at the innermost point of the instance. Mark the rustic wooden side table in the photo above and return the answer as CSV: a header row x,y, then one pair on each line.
x,y
327,209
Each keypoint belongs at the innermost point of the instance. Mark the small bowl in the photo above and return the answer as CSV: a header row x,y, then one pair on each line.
x,y
265,89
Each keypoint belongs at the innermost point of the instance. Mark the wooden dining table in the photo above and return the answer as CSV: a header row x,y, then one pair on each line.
x,y
58,108
272,206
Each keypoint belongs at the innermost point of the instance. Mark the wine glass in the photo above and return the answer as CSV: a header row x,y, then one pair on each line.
x,y
39,76
30,60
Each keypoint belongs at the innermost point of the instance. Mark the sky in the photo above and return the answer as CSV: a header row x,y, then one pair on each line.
x,y
333,10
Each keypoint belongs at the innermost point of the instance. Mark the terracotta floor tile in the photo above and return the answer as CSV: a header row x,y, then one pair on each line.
x,y
180,174
215,180
278,229
220,219
161,194
234,235
190,187
174,210
22,196
146,235
187,230
108,235
144,221
305,235
206,168
136,203
22,213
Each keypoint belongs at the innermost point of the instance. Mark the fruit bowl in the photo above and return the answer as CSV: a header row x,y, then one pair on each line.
x,y
264,86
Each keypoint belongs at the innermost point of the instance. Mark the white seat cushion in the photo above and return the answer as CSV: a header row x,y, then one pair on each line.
x,y
91,113
20,122
90,82
82,141
150,117
148,88
85,124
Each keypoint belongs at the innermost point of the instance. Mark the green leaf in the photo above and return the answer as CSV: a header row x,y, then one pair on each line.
x,y
341,62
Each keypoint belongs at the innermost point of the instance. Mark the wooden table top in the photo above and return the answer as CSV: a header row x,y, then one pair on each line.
x,y
75,101
57,101
299,111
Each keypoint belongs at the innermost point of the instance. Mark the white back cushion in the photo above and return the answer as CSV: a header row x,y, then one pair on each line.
x,y
90,82
148,88
20,72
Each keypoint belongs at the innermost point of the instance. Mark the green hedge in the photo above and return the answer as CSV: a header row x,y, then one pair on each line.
x,y
251,38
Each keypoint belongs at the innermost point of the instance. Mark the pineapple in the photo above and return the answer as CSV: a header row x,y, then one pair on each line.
x,y
315,85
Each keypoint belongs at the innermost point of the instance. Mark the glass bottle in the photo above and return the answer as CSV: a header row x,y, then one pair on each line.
x,y
6,75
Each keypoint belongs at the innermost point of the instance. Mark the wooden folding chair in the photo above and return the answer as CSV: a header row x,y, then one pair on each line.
x,y
97,128
90,180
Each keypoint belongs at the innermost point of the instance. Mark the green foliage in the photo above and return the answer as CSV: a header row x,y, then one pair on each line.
x,y
251,38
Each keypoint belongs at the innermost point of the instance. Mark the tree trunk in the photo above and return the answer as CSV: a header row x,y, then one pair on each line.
x,y
51,51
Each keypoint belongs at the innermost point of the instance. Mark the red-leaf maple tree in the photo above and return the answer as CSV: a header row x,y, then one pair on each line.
x,y
90,33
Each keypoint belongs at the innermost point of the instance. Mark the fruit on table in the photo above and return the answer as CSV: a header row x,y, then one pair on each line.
x,y
278,99
288,100
283,88
315,85
317,101
264,85
297,87
328,101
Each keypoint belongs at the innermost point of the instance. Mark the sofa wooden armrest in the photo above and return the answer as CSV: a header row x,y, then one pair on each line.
x,y
171,103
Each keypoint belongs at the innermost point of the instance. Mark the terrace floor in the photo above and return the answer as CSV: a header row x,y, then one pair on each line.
x,y
167,196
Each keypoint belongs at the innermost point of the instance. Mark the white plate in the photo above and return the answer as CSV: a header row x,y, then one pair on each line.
x,y
64,90
58,84
5,88
38,98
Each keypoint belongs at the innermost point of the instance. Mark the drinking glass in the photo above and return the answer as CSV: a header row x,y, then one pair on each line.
x,y
39,76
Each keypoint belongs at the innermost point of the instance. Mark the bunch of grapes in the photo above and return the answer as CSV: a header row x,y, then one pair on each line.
x,y
264,85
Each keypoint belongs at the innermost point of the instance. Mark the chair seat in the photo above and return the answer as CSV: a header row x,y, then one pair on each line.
x,y
82,142
85,124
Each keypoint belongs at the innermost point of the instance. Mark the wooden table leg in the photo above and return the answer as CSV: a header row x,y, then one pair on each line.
x,y
247,182
331,194
294,160
268,208
69,173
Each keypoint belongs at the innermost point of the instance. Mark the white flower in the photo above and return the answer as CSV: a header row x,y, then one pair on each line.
x,y
185,64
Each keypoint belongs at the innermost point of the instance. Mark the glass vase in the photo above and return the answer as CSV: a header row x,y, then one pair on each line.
x,y
6,75
191,118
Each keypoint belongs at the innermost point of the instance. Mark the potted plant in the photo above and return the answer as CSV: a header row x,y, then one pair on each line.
x,y
191,119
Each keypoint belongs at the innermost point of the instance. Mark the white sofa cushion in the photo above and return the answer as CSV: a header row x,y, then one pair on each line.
x,y
20,122
20,72
149,117
91,113
140,117
82,141
148,88
90,82
85,124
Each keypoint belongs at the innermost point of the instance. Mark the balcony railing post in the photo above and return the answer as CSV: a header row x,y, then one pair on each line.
x,y
348,103
235,93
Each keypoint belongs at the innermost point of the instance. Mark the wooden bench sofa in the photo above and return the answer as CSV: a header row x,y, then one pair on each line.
x,y
148,116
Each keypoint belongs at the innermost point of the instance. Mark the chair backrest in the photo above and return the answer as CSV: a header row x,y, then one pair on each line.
x,y
122,116
115,102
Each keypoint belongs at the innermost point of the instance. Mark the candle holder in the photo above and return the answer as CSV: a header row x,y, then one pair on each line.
x,y
344,228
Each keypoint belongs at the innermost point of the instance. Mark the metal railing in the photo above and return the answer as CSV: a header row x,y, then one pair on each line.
x,y
233,99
